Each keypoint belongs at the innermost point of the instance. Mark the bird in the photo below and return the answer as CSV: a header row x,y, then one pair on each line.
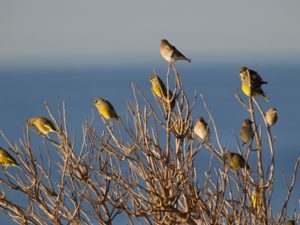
x,y
158,86
236,160
106,109
201,129
256,83
246,131
170,53
181,128
160,90
6,159
290,222
256,197
42,124
271,116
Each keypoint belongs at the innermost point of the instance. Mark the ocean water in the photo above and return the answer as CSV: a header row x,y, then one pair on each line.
x,y
24,91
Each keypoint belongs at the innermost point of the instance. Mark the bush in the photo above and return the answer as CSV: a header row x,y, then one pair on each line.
x,y
142,168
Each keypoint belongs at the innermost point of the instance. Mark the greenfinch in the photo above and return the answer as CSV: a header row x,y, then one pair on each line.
x,y
42,124
271,117
158,87
290,222
235,160
201,129
182,128
160,90
246,131
256,83
170,53
106,109
6,159
256,197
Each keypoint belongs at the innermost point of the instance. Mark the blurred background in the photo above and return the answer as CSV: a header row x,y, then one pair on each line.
x,y
74,51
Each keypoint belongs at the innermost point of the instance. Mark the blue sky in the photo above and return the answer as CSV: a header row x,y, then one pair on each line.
x,y
101,32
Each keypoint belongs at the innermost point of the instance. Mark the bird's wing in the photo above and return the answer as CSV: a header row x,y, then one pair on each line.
x,y
50,126
6,155
162,86
257,78
112,108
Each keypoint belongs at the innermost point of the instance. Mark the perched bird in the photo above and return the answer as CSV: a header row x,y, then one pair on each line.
x,y
236,160
106,109
158,87
182,128
42,124
271,116
256,82
170,53
160,90
6,159
256,197
201,129
290,222
246,131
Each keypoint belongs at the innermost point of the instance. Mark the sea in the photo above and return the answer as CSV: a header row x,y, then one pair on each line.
x,y
23,92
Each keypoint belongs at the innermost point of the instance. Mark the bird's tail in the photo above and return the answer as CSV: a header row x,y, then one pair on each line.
x,y
189,60
265,97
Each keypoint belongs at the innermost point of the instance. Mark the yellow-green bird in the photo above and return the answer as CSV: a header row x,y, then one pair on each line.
x,y
160,90
255,82
158,86
256,197
182,128
170,53
271,116
6,159
235,160
106,109
290,222
42,124
246,131
201,129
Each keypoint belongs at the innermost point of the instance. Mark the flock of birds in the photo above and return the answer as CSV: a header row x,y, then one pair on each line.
x,y
171,54
251,86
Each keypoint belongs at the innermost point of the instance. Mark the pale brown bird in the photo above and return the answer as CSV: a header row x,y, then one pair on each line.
x,y
201,129
236,160
106,109
170,53
6,159
256,83
42,124
271,116
246,131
